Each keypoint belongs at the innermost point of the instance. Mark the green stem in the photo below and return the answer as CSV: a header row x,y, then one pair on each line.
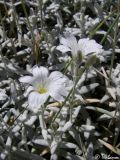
x,y
92,33
110,28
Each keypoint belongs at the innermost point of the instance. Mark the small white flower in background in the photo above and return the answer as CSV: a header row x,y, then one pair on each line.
x,y
85,46
43,85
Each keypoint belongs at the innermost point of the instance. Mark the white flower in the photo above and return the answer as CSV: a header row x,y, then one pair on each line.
x,y
44,85
85,46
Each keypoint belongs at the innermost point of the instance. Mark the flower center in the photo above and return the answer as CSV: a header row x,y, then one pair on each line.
x,y
42,90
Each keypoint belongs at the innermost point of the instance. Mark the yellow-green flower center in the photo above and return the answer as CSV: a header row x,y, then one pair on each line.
x,y
42,90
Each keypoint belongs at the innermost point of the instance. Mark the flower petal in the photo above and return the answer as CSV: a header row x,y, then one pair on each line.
x,y
64,41
56,96
35,100
63,48
57,76
82,44
57,90
72,44
87,46
40,71
40,76
26,79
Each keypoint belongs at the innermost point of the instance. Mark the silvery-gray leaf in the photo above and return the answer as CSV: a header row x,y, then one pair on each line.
x,y
67,126
112,104
30,121
112,92
79,97
87,127
6,152
53,146
7,116
88,88
74,31
3,95
105,98
54,157
59,19
75,134
16,128
107,117
41,142
44,133
24,52
54,109
13,91
70,156
22,154
86,135
67,145
117,50
90,152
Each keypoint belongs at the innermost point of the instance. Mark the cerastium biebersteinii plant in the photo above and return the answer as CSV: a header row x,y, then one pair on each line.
x,y
57,89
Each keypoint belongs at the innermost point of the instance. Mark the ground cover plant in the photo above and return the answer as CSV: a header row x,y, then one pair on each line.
x,y
59,79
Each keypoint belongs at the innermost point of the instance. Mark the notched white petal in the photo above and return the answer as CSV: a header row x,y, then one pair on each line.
x,y
40,71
